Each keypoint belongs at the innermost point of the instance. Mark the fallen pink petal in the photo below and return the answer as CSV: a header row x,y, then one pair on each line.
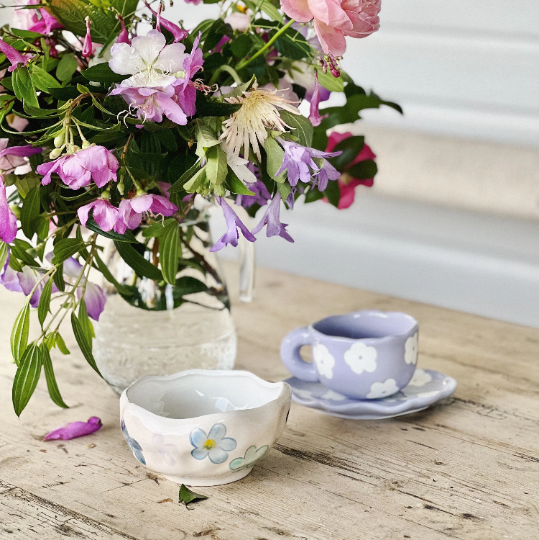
x,y
74,430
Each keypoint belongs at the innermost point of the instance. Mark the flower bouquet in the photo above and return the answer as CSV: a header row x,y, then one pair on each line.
x,y
117,124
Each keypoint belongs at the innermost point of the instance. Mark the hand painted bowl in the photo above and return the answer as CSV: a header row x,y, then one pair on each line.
x,y
203,427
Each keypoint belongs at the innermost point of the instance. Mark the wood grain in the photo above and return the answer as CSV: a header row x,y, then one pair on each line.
x,y
466,469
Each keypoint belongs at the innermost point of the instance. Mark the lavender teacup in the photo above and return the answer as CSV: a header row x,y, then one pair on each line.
x,y
362,355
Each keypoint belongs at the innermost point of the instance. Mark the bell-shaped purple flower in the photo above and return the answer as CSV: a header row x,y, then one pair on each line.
x,y
8,220
271,219
299,162
78,170
174,29
13,55
105,215
261,195
131,210
233,223
314,114
123,36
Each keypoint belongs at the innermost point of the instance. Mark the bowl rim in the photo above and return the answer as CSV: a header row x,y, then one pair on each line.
x,y
284,395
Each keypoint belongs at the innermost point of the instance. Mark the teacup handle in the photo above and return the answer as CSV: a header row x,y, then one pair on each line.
x,y
291,358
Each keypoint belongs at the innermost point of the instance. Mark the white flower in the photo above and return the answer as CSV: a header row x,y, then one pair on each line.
x,y
333,396
420,378
239,166
410,350
214,445
380,390
150,61
259,113
361,358
324,361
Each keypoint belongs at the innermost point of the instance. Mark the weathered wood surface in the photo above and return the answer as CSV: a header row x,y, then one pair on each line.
x,y
467,469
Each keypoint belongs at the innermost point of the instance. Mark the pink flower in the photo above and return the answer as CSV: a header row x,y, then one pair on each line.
x,y
13,156
105,215
88,47
74,429
8,220
13,55
131,210
174,29
335,19
16,122
77,170
314,114
347,184
24,282
123,36
238,21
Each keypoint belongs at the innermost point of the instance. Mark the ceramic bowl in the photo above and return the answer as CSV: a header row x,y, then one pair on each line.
x,y
203,427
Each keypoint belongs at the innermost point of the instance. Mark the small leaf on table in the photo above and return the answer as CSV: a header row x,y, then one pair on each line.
x,y
187,496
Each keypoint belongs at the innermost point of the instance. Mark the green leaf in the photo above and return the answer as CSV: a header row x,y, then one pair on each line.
x,y
302,127
154,231
43,80
217,165
207,107
189,173
23,87
187,496
364,170
189,285
26,378
327,80
66,68
170,251
60,343
85,323
52,386
111,235
20,250
83,344
333,193
44,302
25,183
4,252
19,333
241,45
64,94
137,262
275,159
103,74
30,211
292,44
196,182
65,248
235,185
350,148
58,278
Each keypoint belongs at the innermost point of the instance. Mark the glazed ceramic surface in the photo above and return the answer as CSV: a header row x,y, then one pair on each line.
x,y
362,355
203,427
425,388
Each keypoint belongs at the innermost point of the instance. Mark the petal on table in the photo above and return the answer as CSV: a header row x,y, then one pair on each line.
x,y
75,429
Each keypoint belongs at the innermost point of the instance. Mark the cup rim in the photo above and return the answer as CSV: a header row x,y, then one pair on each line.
x,y
376,312
143,413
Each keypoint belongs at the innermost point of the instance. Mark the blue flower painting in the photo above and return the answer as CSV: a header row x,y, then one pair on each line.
x,y
214,445
133,444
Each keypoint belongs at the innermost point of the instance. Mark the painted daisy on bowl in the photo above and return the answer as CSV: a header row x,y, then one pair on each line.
x,y
214,445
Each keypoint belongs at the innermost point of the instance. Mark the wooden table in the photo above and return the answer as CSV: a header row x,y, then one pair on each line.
x,y
468,468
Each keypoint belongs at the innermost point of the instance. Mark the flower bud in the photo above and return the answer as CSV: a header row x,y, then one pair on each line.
x,y
59,140
105,195
86,144
120,186
55,153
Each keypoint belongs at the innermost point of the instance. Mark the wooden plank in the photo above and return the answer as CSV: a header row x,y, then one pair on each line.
x,y
463,469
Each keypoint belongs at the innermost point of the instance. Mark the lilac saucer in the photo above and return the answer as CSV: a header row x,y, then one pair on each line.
x,y
425,388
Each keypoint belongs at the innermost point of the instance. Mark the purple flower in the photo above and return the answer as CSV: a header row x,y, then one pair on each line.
x,y
299,163
232,234
24,282
13,55
74,429
8,220
131,210
105,215
314,114
77,170
27,19
261,195
174,29
88,46
94,297
123,36
271,219
13,156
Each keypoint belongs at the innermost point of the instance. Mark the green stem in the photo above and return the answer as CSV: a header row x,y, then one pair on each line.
x,y
231,71
245,63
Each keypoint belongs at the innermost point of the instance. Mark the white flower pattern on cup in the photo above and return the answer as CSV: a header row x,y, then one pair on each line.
x,y
410,350
420,378
323,360
361,357
214,445
383,389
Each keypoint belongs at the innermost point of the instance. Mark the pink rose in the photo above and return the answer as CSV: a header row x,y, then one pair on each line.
x,y
335,19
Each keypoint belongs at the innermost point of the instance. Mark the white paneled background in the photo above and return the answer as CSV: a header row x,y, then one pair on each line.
x,y
453,219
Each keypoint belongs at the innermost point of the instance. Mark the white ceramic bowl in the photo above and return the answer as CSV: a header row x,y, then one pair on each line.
x,y
203,427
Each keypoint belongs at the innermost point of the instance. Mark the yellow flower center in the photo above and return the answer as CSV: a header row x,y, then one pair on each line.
x,y
209,444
